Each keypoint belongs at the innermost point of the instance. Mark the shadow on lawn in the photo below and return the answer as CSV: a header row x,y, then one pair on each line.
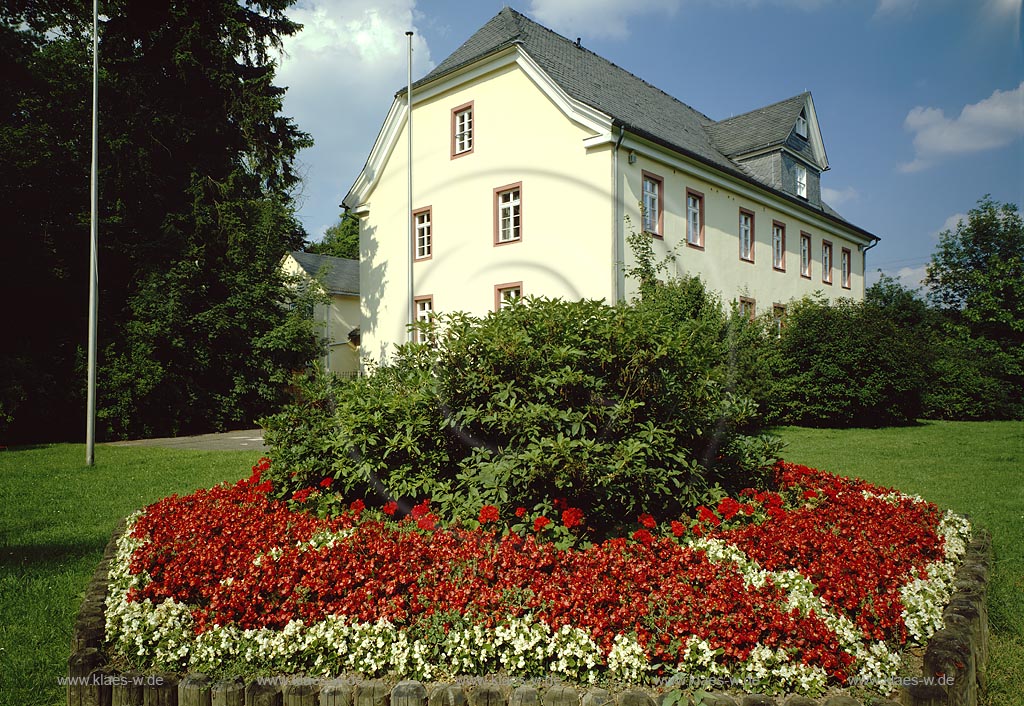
x,y
34,556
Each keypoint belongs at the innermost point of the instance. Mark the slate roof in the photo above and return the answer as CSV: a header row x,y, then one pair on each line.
x,y
593,80
764,127
632,103
341,276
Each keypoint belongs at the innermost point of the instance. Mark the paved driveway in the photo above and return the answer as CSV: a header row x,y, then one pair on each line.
x,y
244,440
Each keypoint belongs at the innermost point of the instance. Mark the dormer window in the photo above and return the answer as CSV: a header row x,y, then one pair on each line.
x,y
801,125
801,181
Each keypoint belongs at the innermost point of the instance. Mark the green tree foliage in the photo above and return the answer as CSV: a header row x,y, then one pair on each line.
x,y
608,405
196,211
976,277
44,131
340,240
848,363
978,270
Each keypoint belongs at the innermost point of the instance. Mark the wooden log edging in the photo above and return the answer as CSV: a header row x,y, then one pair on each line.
x,y
953,674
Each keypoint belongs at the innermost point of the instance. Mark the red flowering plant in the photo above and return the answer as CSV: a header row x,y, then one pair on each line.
x,y
857,543
554,519
720,592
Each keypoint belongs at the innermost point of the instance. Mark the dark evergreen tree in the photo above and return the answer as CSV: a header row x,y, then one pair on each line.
x,y
195,190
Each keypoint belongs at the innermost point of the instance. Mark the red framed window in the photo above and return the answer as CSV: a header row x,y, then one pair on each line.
x,y
463,127
508,214
746,235
422,234
779,246
694,218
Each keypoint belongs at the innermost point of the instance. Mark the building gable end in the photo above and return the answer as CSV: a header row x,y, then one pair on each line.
x,y
589,118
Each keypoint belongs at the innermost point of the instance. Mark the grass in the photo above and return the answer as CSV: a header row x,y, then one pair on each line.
x,y
56,516
975,468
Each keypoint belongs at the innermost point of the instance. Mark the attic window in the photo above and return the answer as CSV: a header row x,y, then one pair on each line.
x,y
801,125
801,181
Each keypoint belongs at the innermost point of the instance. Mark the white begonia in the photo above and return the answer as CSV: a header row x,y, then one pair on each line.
x,y
955,531
627,660
925,598
893,497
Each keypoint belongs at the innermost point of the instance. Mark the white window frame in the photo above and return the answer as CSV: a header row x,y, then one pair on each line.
x,y
424,311
801,125
508,214
423,233
801,181
748,307
826,261
778,316
805,255
779,246
504,294
746,228
653,198
694,218
462,130
846,268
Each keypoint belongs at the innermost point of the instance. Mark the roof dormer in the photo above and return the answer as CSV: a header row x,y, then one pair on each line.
x,y
787,125
801,124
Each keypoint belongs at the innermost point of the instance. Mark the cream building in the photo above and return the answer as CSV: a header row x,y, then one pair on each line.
x,y
339,317
534,157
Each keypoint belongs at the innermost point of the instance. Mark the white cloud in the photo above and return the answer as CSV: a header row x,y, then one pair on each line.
x,y
837,197
993,122
593,19
342,71
895,7
1003,9
951,223
912,277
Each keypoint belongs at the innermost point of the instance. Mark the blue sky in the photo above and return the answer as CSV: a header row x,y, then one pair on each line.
x,y
920,102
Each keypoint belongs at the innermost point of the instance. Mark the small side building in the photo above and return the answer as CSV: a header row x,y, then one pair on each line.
x,y
340,318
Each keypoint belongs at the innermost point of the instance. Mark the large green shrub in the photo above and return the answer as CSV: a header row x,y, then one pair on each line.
x,y
848,364
613,406
968,378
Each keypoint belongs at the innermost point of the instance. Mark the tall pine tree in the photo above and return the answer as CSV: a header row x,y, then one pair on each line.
x,y
197,328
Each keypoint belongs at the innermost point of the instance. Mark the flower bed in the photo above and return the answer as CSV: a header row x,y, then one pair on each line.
x,y
815,585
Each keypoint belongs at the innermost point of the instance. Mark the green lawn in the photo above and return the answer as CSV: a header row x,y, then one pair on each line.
x,y
975,468
56,516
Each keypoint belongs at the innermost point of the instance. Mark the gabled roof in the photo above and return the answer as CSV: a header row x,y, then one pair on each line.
x,y
340,276
592,80
769,126
633,104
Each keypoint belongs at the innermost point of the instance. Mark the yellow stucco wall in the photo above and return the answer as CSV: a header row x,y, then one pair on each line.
x,y
525,131
519,136
719,263
336,320
340,317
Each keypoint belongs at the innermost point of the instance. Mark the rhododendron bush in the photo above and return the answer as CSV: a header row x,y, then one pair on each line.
x,y
624,407
823,580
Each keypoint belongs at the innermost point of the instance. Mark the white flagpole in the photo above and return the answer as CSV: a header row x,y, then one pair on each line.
x,y
90,423
408,213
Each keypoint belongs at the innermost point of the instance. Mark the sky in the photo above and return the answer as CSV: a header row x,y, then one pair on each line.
x,y
920,102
